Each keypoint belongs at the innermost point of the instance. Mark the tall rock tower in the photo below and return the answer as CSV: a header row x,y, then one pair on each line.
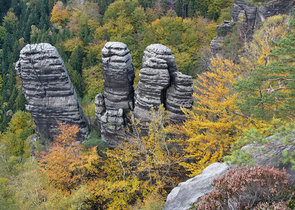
x,y
117,102
160,82
48,90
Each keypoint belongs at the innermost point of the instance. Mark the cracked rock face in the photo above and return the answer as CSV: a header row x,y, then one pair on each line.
x,y
48,90
112,108
160,82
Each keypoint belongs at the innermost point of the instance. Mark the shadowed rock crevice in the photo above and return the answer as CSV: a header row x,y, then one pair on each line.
x,y
48,90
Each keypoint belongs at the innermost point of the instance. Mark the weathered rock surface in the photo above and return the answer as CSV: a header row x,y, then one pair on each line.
x,y
187,193
160,82
179,94
48,90
271,153
118,77
251,16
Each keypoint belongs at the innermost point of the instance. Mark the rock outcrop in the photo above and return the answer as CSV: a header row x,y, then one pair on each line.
x,y
187,193
48,90
160,82
249,16
118,76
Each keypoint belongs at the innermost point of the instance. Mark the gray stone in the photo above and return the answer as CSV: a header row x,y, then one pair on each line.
x,y
112,108
179,95
187,193
48,90
160,82
118,76
268,153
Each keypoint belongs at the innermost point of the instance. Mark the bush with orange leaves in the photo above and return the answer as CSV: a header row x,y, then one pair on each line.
x,y
246,188
65,164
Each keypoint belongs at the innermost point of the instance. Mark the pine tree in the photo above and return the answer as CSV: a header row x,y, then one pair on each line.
x,y
270,89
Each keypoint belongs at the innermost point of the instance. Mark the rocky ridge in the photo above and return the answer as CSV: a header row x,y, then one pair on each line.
x,y
267,153
48,90
187,193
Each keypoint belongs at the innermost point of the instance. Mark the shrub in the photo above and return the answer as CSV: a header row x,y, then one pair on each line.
x,y
245,188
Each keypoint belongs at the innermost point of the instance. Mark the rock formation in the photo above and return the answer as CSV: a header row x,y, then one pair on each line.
x,y
160,82
250,16
118,76
187,193
48,90
216,44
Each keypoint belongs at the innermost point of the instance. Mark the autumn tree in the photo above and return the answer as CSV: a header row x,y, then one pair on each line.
x,y
64,163
59,14
142,166
16,136
215,121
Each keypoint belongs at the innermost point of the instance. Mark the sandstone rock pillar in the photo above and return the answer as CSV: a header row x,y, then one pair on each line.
x,y
117,102
160,82
48,90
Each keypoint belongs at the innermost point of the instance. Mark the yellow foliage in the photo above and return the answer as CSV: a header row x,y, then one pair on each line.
x,y
59,14
65,165
259,49
71,44
215,122
139,168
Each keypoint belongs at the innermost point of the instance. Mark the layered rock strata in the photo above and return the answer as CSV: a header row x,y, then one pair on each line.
x,y
160,82
118,76
48,90
117,102
216,44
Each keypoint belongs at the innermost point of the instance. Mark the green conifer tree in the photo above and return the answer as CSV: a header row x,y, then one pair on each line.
x,y
270,89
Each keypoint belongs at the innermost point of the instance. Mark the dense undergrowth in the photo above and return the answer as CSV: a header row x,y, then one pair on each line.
x,y
242,98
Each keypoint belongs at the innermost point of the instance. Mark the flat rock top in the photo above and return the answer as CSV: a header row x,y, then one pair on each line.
x,y
158,49
114,48
37,48
116,45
